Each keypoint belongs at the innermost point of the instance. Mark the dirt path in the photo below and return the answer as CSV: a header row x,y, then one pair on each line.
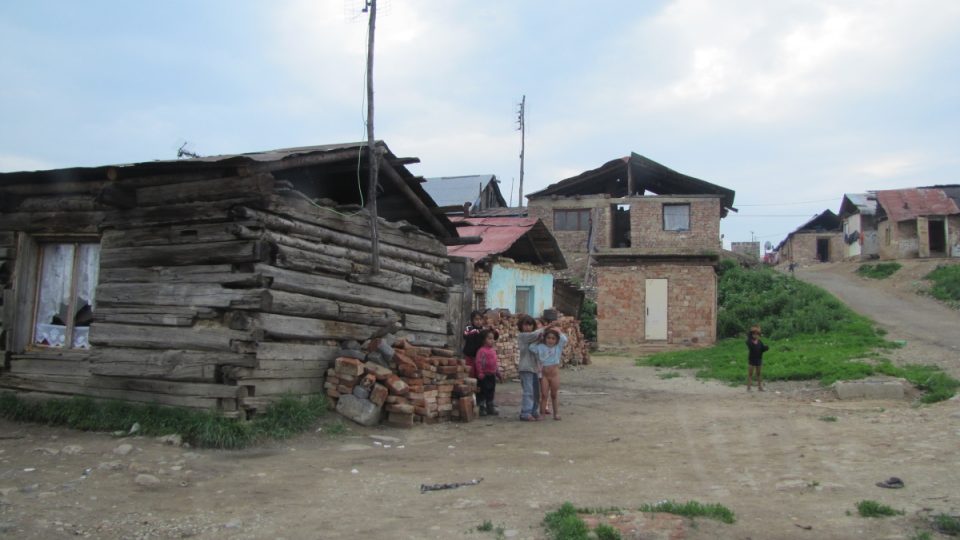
x,y
628,437
931,329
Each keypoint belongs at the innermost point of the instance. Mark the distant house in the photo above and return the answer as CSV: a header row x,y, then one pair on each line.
x,y
858,215
817,240
645,240
513,263
919,222
750,250
451,193
219,282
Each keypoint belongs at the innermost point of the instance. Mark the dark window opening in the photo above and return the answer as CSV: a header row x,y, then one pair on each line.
x,y
823,249
571,220
620,230
938,235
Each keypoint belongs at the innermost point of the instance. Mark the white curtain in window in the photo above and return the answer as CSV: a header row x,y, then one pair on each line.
x,y
676,217
56,275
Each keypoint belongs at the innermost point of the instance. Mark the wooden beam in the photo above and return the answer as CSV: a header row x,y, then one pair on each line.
x,y
460,241
401,184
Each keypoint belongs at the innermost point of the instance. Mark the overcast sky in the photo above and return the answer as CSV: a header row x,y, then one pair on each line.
x,y
789,103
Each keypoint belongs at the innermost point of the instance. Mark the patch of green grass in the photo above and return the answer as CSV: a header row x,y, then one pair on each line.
x,y
868,508
828,418
692,509
879,270
565,524
607,532
286,417
921,535
668,375
486,526
335,428
811,335
946,283
601,510
947,524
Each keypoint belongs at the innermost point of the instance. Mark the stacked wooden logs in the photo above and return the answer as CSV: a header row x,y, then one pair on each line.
x,y
422,386
575,353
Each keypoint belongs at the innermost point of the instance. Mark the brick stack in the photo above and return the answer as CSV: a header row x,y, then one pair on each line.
x,y
422,386
575,353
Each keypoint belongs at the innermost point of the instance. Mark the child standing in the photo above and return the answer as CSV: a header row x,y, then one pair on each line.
x,y
755,349
529,368
549,352
473,340
488,373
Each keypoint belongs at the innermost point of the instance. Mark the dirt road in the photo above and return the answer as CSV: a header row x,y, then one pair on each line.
x,y
931,329
791,463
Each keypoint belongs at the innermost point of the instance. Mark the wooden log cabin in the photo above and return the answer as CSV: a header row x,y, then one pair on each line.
x,y
217,282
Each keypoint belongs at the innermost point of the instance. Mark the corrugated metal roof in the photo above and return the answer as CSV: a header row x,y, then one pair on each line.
x,y
503,235
905,204
456,190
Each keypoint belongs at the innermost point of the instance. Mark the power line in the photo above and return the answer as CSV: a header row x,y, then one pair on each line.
x,y
790,203
770,215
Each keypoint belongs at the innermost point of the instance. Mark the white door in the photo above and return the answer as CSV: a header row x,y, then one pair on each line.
x,y
656,311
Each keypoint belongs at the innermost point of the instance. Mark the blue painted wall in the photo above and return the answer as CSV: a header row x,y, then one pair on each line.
x,y
504,280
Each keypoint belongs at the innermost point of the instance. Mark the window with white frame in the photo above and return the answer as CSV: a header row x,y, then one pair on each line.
x,y
676,217
67,281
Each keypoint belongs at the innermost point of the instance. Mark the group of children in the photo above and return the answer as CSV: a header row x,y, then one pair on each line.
x,y
539,365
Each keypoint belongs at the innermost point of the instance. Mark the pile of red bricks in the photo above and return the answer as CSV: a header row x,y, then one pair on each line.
x,y
423,385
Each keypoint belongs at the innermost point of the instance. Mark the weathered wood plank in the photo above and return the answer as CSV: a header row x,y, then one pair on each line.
x,y
297,206
8,238
87,386
215,273
64,203
424,339
168,364
283,365
49,366
172,234
177,214
238,251
420,270
285,303
291,327
337,289
297,259
159,315
25,289
419,323
241,375
207,338
384,279
258,185
416,253
178,294
53,222
268,387
278,351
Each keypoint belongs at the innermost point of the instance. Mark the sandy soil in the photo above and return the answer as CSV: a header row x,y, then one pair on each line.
x,y
627,437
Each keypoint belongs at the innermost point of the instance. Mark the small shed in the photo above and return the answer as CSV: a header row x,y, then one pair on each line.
x,y
818,240
918,222
512,262
858,213
218,283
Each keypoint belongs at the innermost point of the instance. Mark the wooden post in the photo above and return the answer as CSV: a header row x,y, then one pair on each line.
x,y
373,154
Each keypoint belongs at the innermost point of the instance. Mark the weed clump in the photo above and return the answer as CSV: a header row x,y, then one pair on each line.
x,y
946,284
868,508
692,509
879,270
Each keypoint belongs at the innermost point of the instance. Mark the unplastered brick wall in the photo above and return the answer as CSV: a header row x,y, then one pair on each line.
x,y
691,303
481,279
574,243
646,223
801,248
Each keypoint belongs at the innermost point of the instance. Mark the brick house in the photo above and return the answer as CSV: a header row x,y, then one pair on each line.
x,y
817,240
644,239
858,214
919,222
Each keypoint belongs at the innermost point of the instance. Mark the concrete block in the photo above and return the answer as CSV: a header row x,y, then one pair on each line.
x,y
361,411
869,389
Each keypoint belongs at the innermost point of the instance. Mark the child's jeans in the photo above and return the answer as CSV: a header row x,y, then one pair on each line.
x,y
530,402
487,387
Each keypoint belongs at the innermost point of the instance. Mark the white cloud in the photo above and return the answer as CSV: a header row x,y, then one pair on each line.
x,y
889,167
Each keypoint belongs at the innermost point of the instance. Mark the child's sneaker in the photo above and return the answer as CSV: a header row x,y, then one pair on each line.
x,y
492,410
483,409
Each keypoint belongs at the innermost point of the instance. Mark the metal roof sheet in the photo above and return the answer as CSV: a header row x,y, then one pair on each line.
x,y
905,204
504,236
863,203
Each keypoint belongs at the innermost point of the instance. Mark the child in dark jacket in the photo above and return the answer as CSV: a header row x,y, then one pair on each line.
x,y
488,373
473,339
755,349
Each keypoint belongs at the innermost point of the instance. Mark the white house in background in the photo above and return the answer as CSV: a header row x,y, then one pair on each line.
x,y
858,213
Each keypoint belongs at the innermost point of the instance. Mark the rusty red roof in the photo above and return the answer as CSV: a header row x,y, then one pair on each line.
x,y
904,204
519,238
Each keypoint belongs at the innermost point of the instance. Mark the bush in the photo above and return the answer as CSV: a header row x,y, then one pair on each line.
x,y
946,283
588,319
879,270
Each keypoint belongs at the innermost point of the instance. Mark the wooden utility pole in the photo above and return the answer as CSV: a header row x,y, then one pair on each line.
x,y
373,154
523,104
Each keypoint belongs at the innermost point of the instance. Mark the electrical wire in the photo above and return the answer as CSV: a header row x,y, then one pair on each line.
x,y
789,204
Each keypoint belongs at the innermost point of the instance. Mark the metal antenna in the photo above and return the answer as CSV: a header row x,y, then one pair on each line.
x,y
522,125
182,151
